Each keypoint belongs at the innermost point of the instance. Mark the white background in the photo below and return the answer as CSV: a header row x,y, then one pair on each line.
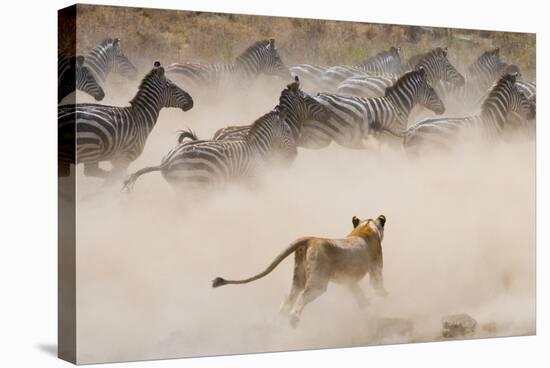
x,y
28,181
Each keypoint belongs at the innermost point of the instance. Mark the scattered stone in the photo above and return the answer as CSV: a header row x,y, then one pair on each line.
x,y
459,326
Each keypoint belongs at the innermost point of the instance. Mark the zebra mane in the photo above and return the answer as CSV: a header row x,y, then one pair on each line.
x,y
155,72
413,74
254,47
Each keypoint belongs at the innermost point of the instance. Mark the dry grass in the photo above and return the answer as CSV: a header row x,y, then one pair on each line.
x,y
179,36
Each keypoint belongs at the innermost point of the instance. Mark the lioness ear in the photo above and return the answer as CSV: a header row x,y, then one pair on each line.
x,y
355,221
382,220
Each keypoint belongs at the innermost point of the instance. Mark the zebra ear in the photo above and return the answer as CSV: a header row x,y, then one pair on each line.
x,y
272,43
445,50
355,221
422,70
80,60
157,64
496,51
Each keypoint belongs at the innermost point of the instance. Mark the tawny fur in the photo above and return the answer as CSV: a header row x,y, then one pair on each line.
x,y
319,260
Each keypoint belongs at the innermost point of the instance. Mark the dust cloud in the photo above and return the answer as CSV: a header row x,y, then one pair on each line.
x,y
460,238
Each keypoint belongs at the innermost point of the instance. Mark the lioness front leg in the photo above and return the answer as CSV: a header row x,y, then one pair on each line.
x,y
359,295
377,282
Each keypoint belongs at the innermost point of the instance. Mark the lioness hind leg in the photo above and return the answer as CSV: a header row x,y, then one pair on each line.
x,y
298,280
317,278
306,296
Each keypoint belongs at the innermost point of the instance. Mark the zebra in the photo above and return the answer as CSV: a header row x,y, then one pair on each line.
x,y
503,99
260,58
435,62
480,76
115,134
386,62
107,57
352,119
208,164
298,108
71,74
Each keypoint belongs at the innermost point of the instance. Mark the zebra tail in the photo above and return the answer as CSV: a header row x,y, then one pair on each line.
x,y
130,181
187,134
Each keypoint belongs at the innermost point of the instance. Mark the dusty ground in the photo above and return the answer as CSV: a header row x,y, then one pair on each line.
x,y
460,238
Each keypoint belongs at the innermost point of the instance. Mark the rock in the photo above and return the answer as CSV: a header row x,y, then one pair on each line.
x,y
459,325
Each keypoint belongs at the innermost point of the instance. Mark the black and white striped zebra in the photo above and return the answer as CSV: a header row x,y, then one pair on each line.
x,y
437,66
352,119
208,164
503,99
298,106
115,134
480,77
262,58
71,74
383,63
107,57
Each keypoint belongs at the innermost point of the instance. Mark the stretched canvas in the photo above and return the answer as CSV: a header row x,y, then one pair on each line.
x,y
234,184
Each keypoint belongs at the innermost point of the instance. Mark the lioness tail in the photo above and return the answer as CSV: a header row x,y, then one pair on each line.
x,y
219,281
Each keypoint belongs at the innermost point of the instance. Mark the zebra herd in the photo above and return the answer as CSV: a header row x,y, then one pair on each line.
x,y
350,106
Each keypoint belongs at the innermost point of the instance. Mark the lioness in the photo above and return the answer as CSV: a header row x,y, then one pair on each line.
x,y
318,261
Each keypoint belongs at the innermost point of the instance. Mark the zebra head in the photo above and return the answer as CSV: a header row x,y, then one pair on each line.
x,y
299,107
85,80
155,86
488,67
505,98
262,58
438,67
120,63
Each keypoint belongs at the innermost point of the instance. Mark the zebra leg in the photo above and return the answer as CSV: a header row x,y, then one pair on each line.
x,y
92,169
119,171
